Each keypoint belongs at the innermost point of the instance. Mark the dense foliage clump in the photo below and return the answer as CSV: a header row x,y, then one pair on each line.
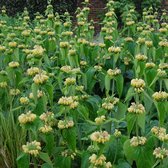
x,y
69,99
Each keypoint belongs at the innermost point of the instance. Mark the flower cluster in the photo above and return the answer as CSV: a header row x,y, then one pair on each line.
x,y
68,101
150,65
70,81
27,118
32,148
38,51
3,84
40,78
68,123
24,100
33,71
161,73
141,57
108,103
114,49
100,120
160,153
137,141
136,108
98,161
48,121
160,96
100,136
160,133
40,93
14,64
114,72
45,129
14,92
64,44
138,85
117,133
68,153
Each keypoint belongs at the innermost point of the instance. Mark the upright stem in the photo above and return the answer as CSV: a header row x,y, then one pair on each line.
x,y
161,82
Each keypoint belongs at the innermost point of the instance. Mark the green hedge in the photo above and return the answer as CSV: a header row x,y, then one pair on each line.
x,y
17,6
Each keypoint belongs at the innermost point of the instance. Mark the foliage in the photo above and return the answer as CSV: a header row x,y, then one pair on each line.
x,y
67,100
34,6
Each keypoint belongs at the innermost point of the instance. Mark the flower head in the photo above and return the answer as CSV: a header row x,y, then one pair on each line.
x,y
32,148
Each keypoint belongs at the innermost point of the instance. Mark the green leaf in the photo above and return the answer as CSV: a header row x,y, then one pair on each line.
x,y
129,152
83,111
150,75
148,102
70,136
90,78
23,160
131,120
41,105
166,83
63,162
94,102
49,89
130,94
122,108
107,84
45,157
162,108
120,82
34,88
145,159
141,121
123,164
85,160
49,138
45,165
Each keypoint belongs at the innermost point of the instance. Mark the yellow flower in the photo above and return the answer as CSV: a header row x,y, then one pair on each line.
x,y
113,72
160,96
100,120
149,65
2,48
138,84
24,100
117,133
141,57
27,118
64,44
99,161
12,44
14,64
114,49
14,92
160,153
45,129
137,141
100,136
3,84
26,33
62,124
38,51
136,108
40,78
70,81
32,148
33,71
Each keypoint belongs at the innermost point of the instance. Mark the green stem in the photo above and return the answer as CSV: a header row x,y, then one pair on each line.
x,y
115,155
137,131
113,86
161,82
137,98
156,163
